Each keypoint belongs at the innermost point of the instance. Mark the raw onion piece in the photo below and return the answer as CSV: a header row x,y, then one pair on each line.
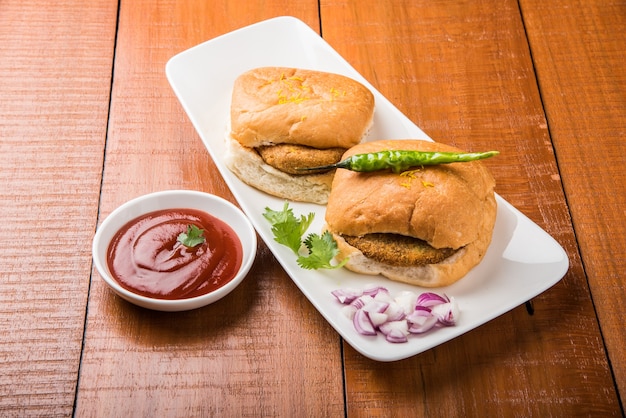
x,y
446,313
374,310
431,299
395,331
395,312
362,323
349,311
377,319
374,290
375,306
346,295
407,299
420,322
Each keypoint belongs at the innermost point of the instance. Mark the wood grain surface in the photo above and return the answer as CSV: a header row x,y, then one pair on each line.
x,y
89,121
55,77
579,49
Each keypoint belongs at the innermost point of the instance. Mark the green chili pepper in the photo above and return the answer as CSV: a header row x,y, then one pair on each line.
x,y
400,160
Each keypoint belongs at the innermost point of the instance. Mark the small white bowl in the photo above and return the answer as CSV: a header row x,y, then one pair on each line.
x,y
175,199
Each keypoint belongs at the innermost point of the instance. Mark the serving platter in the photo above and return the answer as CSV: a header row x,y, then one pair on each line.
x,y
521,262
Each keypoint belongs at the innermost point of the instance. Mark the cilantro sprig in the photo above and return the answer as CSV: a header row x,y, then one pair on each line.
x,y
287,229
192,237
319,250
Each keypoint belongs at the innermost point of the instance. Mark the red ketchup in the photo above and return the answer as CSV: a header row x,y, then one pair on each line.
x,y
146,257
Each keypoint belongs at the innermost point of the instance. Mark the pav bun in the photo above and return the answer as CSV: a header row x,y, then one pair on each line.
x,y
247,164
450,210
309,111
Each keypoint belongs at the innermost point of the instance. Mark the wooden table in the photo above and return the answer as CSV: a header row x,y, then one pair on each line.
x,y
89,121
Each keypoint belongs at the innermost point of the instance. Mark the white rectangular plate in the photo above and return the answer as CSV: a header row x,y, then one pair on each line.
x,y
522,261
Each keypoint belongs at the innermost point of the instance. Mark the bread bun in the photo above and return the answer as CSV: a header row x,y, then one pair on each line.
x,y
311,110
448,206
274,105
248,165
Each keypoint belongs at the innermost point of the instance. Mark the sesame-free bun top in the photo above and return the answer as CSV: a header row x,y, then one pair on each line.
x,y
447,205
274,105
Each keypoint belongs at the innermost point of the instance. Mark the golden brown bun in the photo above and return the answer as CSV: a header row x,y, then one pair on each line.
x,y
448,206
274,105
248,165
444,273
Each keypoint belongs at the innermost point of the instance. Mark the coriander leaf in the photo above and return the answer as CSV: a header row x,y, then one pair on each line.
x,y
322,249
275,216
192,237
287,229
286,234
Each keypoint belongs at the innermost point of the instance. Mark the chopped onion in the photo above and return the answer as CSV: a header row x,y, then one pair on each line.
x,y
419,313
396,336
384,297
395,312
446,313
362,323
377,319
419,324
431,299
374,310
374,290
361,301
375,306
346,295
408,300
395,331
349,311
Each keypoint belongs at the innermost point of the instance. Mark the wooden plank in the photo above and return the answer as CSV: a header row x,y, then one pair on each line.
x,y
55,76
462,71
579,48
261,351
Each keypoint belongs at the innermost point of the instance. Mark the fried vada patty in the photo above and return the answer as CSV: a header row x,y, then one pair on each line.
x,y
289,158
398,250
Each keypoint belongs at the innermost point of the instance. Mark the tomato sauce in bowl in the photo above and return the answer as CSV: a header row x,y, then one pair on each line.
x,y
146,256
